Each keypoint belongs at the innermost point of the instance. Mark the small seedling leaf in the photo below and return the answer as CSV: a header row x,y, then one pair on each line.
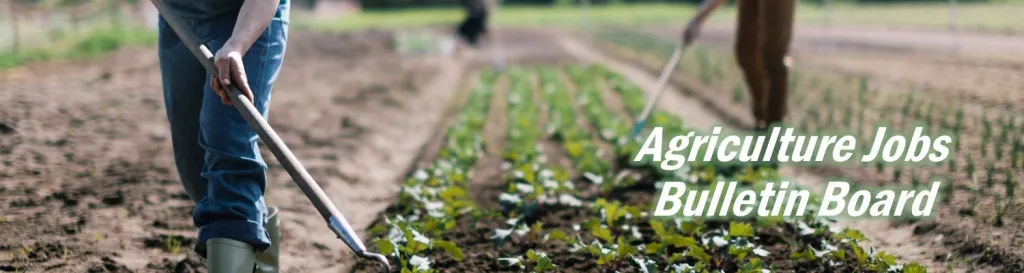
x,y
806,255
384,246
602,233
451,248
659,229
738,229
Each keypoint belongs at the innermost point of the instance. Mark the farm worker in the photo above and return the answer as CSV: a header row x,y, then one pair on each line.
x,y
215,150
475,25
763,33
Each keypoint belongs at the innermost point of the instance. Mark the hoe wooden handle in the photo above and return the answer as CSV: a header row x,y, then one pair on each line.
x,y
284,155
662,81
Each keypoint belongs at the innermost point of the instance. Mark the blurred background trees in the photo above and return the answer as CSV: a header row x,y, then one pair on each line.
x,y
36,21
41,29
27,22
45,29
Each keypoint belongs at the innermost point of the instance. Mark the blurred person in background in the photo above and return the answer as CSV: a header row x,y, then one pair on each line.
x,y
474,26
763,33
215,150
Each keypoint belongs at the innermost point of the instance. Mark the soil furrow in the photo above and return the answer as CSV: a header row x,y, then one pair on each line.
x,y
486,175
431,148
607,149
553,151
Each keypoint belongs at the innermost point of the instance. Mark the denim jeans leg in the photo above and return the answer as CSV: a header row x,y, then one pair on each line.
x,y
183,80
234,206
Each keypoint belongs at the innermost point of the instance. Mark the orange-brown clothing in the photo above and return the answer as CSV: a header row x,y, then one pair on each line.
x,y
764,30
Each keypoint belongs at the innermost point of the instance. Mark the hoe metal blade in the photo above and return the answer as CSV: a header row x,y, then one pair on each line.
x,y
302,178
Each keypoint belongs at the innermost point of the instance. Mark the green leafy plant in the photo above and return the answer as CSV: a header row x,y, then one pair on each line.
x,y
971,210
171,243
1002,204
1009,183
990,179
737,94
541,261
948,189
970,167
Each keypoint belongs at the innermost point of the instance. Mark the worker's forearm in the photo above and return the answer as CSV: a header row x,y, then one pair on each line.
x,y
252,20
707,8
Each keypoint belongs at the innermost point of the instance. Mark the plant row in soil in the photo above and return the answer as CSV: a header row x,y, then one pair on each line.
x,y
980,175
590,215
989,156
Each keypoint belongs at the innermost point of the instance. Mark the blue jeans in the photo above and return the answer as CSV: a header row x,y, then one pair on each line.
x,y
215,150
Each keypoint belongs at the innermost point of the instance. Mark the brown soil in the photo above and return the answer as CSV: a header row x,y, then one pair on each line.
x,y
488,168
88,182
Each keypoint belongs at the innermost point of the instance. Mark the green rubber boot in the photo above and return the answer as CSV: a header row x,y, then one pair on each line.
x,y
267,262
229,256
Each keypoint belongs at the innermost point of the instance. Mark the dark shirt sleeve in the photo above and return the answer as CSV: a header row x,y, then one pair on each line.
x,y
474,8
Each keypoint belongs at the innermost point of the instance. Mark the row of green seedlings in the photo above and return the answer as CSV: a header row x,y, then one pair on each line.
x,y
563,125
681,244
432,199
1007,141
620,234
633,100
612,127
1007,147
1005,160
617,233
951,119
922,111
1000,166
534,185
614,234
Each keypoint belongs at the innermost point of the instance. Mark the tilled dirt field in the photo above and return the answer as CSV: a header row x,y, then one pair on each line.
x,y
88,183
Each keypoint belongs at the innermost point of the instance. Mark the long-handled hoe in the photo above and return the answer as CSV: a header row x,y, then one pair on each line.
x,y
309,187
660,87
